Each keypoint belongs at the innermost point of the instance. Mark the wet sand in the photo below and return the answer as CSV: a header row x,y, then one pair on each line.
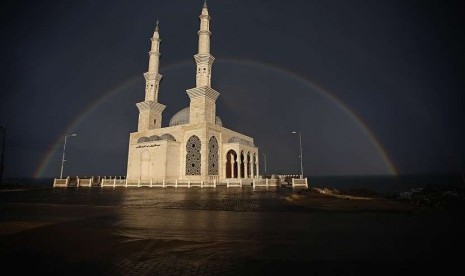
x,y
221,232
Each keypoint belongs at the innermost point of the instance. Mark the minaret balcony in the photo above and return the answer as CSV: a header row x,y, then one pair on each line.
x,y
152,76
204,32
150,105
204,58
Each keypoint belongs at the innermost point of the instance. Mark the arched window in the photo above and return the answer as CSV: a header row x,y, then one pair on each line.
x,y
213,156
193,156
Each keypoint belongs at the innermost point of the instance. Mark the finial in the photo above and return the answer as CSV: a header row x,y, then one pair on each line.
x,y
156,27
205,3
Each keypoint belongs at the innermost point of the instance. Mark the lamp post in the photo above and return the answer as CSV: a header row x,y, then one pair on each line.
x,y
3,129
64,150
264,159
301,157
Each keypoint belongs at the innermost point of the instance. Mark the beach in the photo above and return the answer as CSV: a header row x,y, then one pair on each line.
x,y
222,231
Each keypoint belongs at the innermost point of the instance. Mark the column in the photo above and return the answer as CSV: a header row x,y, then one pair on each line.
x,y
246,167
239,169
232,166
256,165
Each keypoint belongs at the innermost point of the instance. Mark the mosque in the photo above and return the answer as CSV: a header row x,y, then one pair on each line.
x,y
195,146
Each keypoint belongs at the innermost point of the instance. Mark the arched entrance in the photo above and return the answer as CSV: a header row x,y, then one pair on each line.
x,y
231,164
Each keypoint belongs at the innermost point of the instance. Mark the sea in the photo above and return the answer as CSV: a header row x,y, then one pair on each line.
x,y
389,185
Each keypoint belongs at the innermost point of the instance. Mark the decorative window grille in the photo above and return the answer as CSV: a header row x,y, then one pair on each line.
x,y
193,156
213,156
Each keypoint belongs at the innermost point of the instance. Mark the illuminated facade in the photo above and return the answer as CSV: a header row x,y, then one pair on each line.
x,y
195,146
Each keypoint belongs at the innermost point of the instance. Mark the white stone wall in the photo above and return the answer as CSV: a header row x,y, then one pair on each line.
x,y
202,109
168,161
153,160
172,160
149,119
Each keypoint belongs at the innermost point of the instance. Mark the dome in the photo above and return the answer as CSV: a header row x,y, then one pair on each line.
x,y
167,137
143,140
182,118
218,121
154,138
240,141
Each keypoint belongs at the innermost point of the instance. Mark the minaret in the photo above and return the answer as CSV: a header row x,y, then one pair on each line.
x,y
203,97
150,110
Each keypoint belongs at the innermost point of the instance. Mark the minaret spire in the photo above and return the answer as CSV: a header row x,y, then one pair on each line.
x,y
203,97
203,58
154,61
150,110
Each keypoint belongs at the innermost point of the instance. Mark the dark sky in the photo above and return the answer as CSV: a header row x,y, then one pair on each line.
x,y
374,87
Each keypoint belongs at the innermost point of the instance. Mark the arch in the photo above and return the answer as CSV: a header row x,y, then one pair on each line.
x,y
241,141
142,140
231,164
44,164
193,156
213,156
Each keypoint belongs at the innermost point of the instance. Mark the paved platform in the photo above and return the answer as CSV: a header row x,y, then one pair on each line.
x,y
220,232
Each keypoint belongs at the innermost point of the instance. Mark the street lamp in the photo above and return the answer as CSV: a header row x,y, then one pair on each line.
x,y
264,158
301,157
64,150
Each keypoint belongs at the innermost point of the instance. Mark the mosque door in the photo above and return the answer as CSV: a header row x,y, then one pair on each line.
x,y
145,166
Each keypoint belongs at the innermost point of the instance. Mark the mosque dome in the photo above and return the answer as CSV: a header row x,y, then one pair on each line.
x,y
167,137
182,118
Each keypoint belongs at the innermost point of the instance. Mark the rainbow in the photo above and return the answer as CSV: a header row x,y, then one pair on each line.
x,y
236,61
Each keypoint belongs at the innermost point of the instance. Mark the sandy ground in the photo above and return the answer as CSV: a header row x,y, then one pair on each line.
x,y
222,232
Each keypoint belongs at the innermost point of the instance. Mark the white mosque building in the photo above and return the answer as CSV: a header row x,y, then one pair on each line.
x,y
195,146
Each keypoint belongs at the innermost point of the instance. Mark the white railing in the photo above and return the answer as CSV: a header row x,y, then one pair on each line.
x,y
233,182
115,182
183,183
121,181
265,183
211,184
61,182
297,182
84,182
